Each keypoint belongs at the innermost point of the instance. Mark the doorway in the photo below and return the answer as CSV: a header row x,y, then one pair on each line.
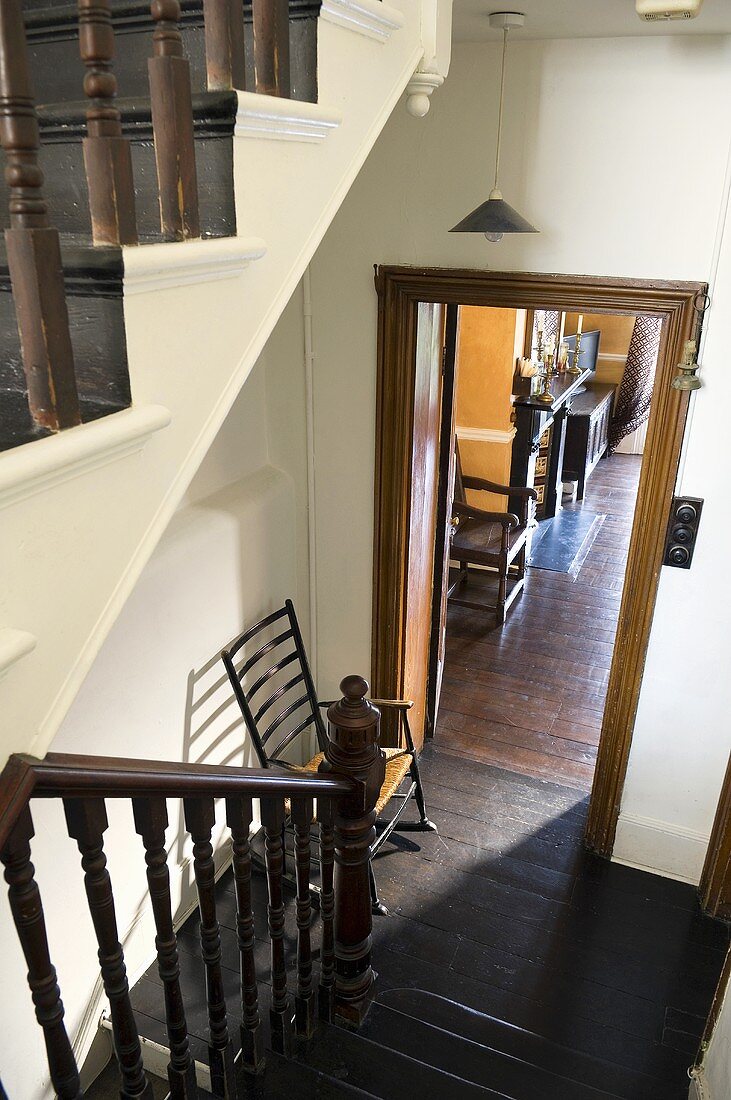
x,y
408,569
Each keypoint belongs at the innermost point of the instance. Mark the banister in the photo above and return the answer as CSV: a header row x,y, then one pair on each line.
x,y
69,776
347,787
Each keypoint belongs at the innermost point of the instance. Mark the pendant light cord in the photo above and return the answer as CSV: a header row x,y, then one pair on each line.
x,y
500,110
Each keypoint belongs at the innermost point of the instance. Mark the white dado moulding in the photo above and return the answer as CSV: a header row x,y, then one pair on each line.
x,y
372,18
486,435
436,36
265,116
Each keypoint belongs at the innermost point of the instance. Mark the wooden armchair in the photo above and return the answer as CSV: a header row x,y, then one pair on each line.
x,y
271,679
495,539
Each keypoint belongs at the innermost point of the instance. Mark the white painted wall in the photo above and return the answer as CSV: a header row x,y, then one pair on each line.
x,y
234,551
637,192
716,1068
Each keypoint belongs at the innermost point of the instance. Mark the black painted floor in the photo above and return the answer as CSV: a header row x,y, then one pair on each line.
x,y
505,913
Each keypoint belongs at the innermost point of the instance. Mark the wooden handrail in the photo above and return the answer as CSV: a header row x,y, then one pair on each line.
x,y
70,776
347,787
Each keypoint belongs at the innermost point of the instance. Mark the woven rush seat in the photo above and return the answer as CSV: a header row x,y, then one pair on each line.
x,y
398,763
470,536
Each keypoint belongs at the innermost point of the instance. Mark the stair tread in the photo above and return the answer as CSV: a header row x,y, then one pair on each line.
x,y
296,1081
351,1059
475,1062
512,1042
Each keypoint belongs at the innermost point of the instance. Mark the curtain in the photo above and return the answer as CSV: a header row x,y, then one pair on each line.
x,y
551,326
632,407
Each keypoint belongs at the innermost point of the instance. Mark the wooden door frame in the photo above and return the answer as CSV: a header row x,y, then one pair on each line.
x,y
400,289
715,884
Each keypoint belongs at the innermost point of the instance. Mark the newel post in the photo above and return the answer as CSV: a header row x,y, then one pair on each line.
x,y
353,750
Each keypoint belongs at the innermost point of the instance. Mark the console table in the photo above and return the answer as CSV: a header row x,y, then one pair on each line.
x,y
532,417
587,433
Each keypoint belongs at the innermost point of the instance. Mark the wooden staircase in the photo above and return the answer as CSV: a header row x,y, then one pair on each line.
x,y
134,353
313,1028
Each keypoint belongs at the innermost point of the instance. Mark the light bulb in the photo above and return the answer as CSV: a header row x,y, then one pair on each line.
x,y
493,237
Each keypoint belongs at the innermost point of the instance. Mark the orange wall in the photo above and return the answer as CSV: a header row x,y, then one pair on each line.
x,y
490,339
485,364
616,332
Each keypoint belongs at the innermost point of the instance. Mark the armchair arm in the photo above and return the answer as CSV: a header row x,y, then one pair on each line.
x,y
502,490
399,704
403,706
505,519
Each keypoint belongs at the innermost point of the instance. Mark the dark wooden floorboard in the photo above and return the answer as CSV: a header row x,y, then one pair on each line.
x,y
502,910
529,696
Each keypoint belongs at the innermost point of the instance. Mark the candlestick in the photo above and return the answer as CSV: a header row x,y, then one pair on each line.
x,y
545,395
575,368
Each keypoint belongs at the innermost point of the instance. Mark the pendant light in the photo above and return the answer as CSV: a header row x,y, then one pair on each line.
x,y
495,217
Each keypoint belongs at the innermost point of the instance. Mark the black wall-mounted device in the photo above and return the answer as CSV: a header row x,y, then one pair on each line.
x,y
685,516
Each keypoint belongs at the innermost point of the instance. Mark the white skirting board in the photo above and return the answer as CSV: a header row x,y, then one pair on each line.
x,y
660,847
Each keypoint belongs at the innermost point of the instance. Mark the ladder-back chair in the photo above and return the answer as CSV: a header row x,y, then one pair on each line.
x,y
271,679
495,539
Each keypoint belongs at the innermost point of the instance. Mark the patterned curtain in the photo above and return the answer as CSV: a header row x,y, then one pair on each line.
x,y
551,326
635,390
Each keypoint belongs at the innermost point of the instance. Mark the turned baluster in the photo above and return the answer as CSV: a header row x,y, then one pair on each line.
x,y
272,816
304,1001
27,910
86,819
271,47
151,820
352,750
224,25
34,253
172,123
107,154
326,992
200,817
239,816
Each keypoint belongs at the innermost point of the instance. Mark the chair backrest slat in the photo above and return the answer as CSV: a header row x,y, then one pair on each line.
x,y
283,715
241,641
262,651
286,741
271,686
298,679
271,671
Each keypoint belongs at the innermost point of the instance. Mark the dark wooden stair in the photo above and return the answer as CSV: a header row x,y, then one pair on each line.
x,y
93,282
93,275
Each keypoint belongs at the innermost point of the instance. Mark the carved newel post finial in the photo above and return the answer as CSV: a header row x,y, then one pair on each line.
x,y
353,750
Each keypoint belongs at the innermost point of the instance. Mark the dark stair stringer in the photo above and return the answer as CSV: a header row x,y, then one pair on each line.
x,y
93,276
63,128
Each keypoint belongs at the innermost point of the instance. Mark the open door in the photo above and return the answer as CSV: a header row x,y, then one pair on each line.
x,y
445,493
422,520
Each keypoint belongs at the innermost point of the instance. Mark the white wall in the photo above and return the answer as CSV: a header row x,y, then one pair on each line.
x,y
717,1060
606,152
235,550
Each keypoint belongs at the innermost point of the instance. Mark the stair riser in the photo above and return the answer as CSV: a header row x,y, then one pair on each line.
x,y
58,72
96,322
62,161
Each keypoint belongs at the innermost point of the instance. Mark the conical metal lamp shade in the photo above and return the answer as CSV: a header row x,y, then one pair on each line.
x,y
494,216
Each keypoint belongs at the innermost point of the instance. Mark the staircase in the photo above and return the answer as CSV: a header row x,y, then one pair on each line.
x,y
170,291
311,1019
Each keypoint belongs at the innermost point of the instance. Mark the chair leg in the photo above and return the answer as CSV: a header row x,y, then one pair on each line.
x,y
377,906
423,824
502,593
